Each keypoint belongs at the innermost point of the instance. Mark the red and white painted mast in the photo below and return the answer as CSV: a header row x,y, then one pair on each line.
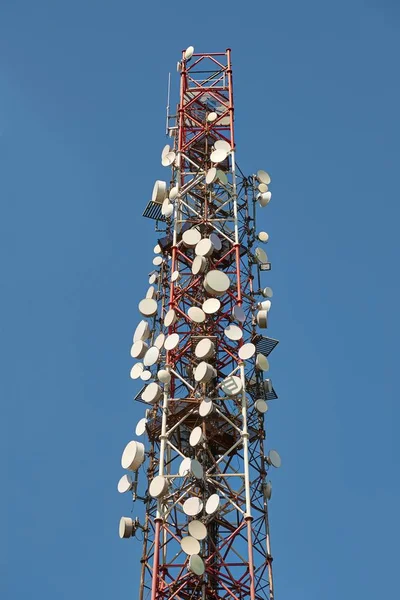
x,y
202,361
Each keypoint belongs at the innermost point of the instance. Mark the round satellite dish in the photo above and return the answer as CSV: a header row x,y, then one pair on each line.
x,y
232,385
263,237
267,386
268,490
233,332
157,261
141,426
157,249
196,314
264,199
238,314
167,210
170,318
159,192
198,530
216,283
216,242
211,175
124,484
151,393
151,292
190,545
218,156
204,349
199,265
159,341
262,319
125,527
267,292
212,504
164,376
204,247
153,278
263,177
274,459
168,159
196,565
136,371
196,436
151,356
221,176
211,306
196,469
191,237
148,307
192,506
222,145
139,349
145,375
206,407
225,121
158,487
204,372
263,188
260,256
165,150
247,351
132,456
175,276
261,406
189,52
265,305
211,117
171,341
173,192
262,363
184,467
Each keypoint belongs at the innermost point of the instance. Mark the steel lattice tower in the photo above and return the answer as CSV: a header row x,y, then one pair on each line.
x,y
204,361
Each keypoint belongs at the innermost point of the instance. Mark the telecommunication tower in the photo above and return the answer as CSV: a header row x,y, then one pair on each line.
x,y
204,361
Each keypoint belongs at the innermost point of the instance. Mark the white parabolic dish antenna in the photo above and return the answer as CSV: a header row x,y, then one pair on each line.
x,y
192,506
190,545
189,52
196,565
198,530
142,331
132,456
274,459
212,504
124,484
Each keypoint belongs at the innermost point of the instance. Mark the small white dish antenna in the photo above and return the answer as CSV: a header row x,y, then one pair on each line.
x,y
196,315
247,351
141,426
211,175
216,242
225,121
260,256
125,527
191,237
211,306
262,363
167,208
204,248
264,199
125,484
196,437
168,159
151,356
212,504
206,407
139,349
189,52
192,506
145,375
157,249
157,261
268,490
148,307
211,117
196,565
205,349
263,177
132,456
216,283
170,318
184,467
198,530
221,175
274,459
199,264
196,469
233,332
232,385
261,406
218,156
265,305
171,341
159,192
164,376
173,193
263,237
151,393
262,319
158,487
262,187
190,545
223,145
165,151
175,276
151,292
142,331
238,314
136,371
267,292
159,341
204,372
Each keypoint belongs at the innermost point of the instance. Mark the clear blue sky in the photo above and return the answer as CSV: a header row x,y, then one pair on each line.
x,y
82,101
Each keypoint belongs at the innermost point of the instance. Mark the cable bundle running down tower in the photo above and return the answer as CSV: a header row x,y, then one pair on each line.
x,y
203,361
